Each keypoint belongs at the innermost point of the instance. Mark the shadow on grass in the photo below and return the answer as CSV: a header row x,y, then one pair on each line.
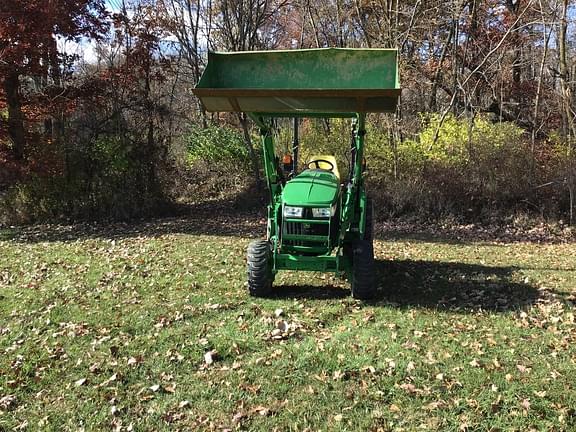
x,y
226,218
435,285
455,286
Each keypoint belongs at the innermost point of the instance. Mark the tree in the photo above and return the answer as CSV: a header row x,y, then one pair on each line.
x,y
29,31
184,19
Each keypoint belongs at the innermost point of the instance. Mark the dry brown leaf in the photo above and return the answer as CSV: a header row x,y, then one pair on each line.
x,y
474,363
80,382
408,387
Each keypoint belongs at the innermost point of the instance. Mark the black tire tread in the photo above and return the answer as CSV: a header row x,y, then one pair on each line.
x,y
363,281
369,227
260,276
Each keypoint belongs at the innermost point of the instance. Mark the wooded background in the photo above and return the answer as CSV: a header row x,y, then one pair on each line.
x,y
98,121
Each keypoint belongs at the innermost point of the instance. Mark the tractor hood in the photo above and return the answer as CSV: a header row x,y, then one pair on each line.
x,y
311,188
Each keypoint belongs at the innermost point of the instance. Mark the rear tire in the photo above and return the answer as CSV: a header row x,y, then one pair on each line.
x,y
369,227
363,284
260,275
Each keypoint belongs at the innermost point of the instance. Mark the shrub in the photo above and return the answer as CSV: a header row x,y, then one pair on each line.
x,y
219,146
107,178
471,169
218,161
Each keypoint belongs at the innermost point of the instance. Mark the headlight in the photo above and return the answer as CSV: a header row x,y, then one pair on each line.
x,y
293,212
324,212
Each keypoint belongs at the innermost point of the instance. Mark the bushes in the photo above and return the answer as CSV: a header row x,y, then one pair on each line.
x,y
109,177
320,137
218,162
219,146
466,168
472,170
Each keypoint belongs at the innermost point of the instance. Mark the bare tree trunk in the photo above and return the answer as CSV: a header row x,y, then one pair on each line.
x,y
434,89
362,23
15,116
535,121
313,23
252,153
568,118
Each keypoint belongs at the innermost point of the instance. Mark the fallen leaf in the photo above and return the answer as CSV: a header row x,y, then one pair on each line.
x,y
109,380
210,357
370,369
282,326
80,382
263,411
408,387
7,402
338,375
525,404
434,405
474,363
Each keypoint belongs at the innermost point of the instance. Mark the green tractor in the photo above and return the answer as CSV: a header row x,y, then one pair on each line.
x,y
317,221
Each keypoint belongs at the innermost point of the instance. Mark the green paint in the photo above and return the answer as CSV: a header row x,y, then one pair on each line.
x,y
329,68
311,188
330,81
321,263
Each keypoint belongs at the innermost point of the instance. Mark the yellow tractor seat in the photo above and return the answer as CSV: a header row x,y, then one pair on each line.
x,y
323,165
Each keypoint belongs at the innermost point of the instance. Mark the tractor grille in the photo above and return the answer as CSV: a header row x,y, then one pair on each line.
x,y
302,228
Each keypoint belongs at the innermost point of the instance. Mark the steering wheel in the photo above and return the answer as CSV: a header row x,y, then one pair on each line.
x,y
317,162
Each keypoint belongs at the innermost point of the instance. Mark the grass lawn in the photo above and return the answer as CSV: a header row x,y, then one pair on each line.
x,y
151,328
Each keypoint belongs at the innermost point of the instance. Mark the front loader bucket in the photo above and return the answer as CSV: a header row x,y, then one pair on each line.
x,y
328,81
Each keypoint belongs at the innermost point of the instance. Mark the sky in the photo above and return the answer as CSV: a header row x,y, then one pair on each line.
x,y
86,49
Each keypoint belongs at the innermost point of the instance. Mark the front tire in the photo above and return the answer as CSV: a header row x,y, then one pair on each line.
x,y
363,283
348,248
260,275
